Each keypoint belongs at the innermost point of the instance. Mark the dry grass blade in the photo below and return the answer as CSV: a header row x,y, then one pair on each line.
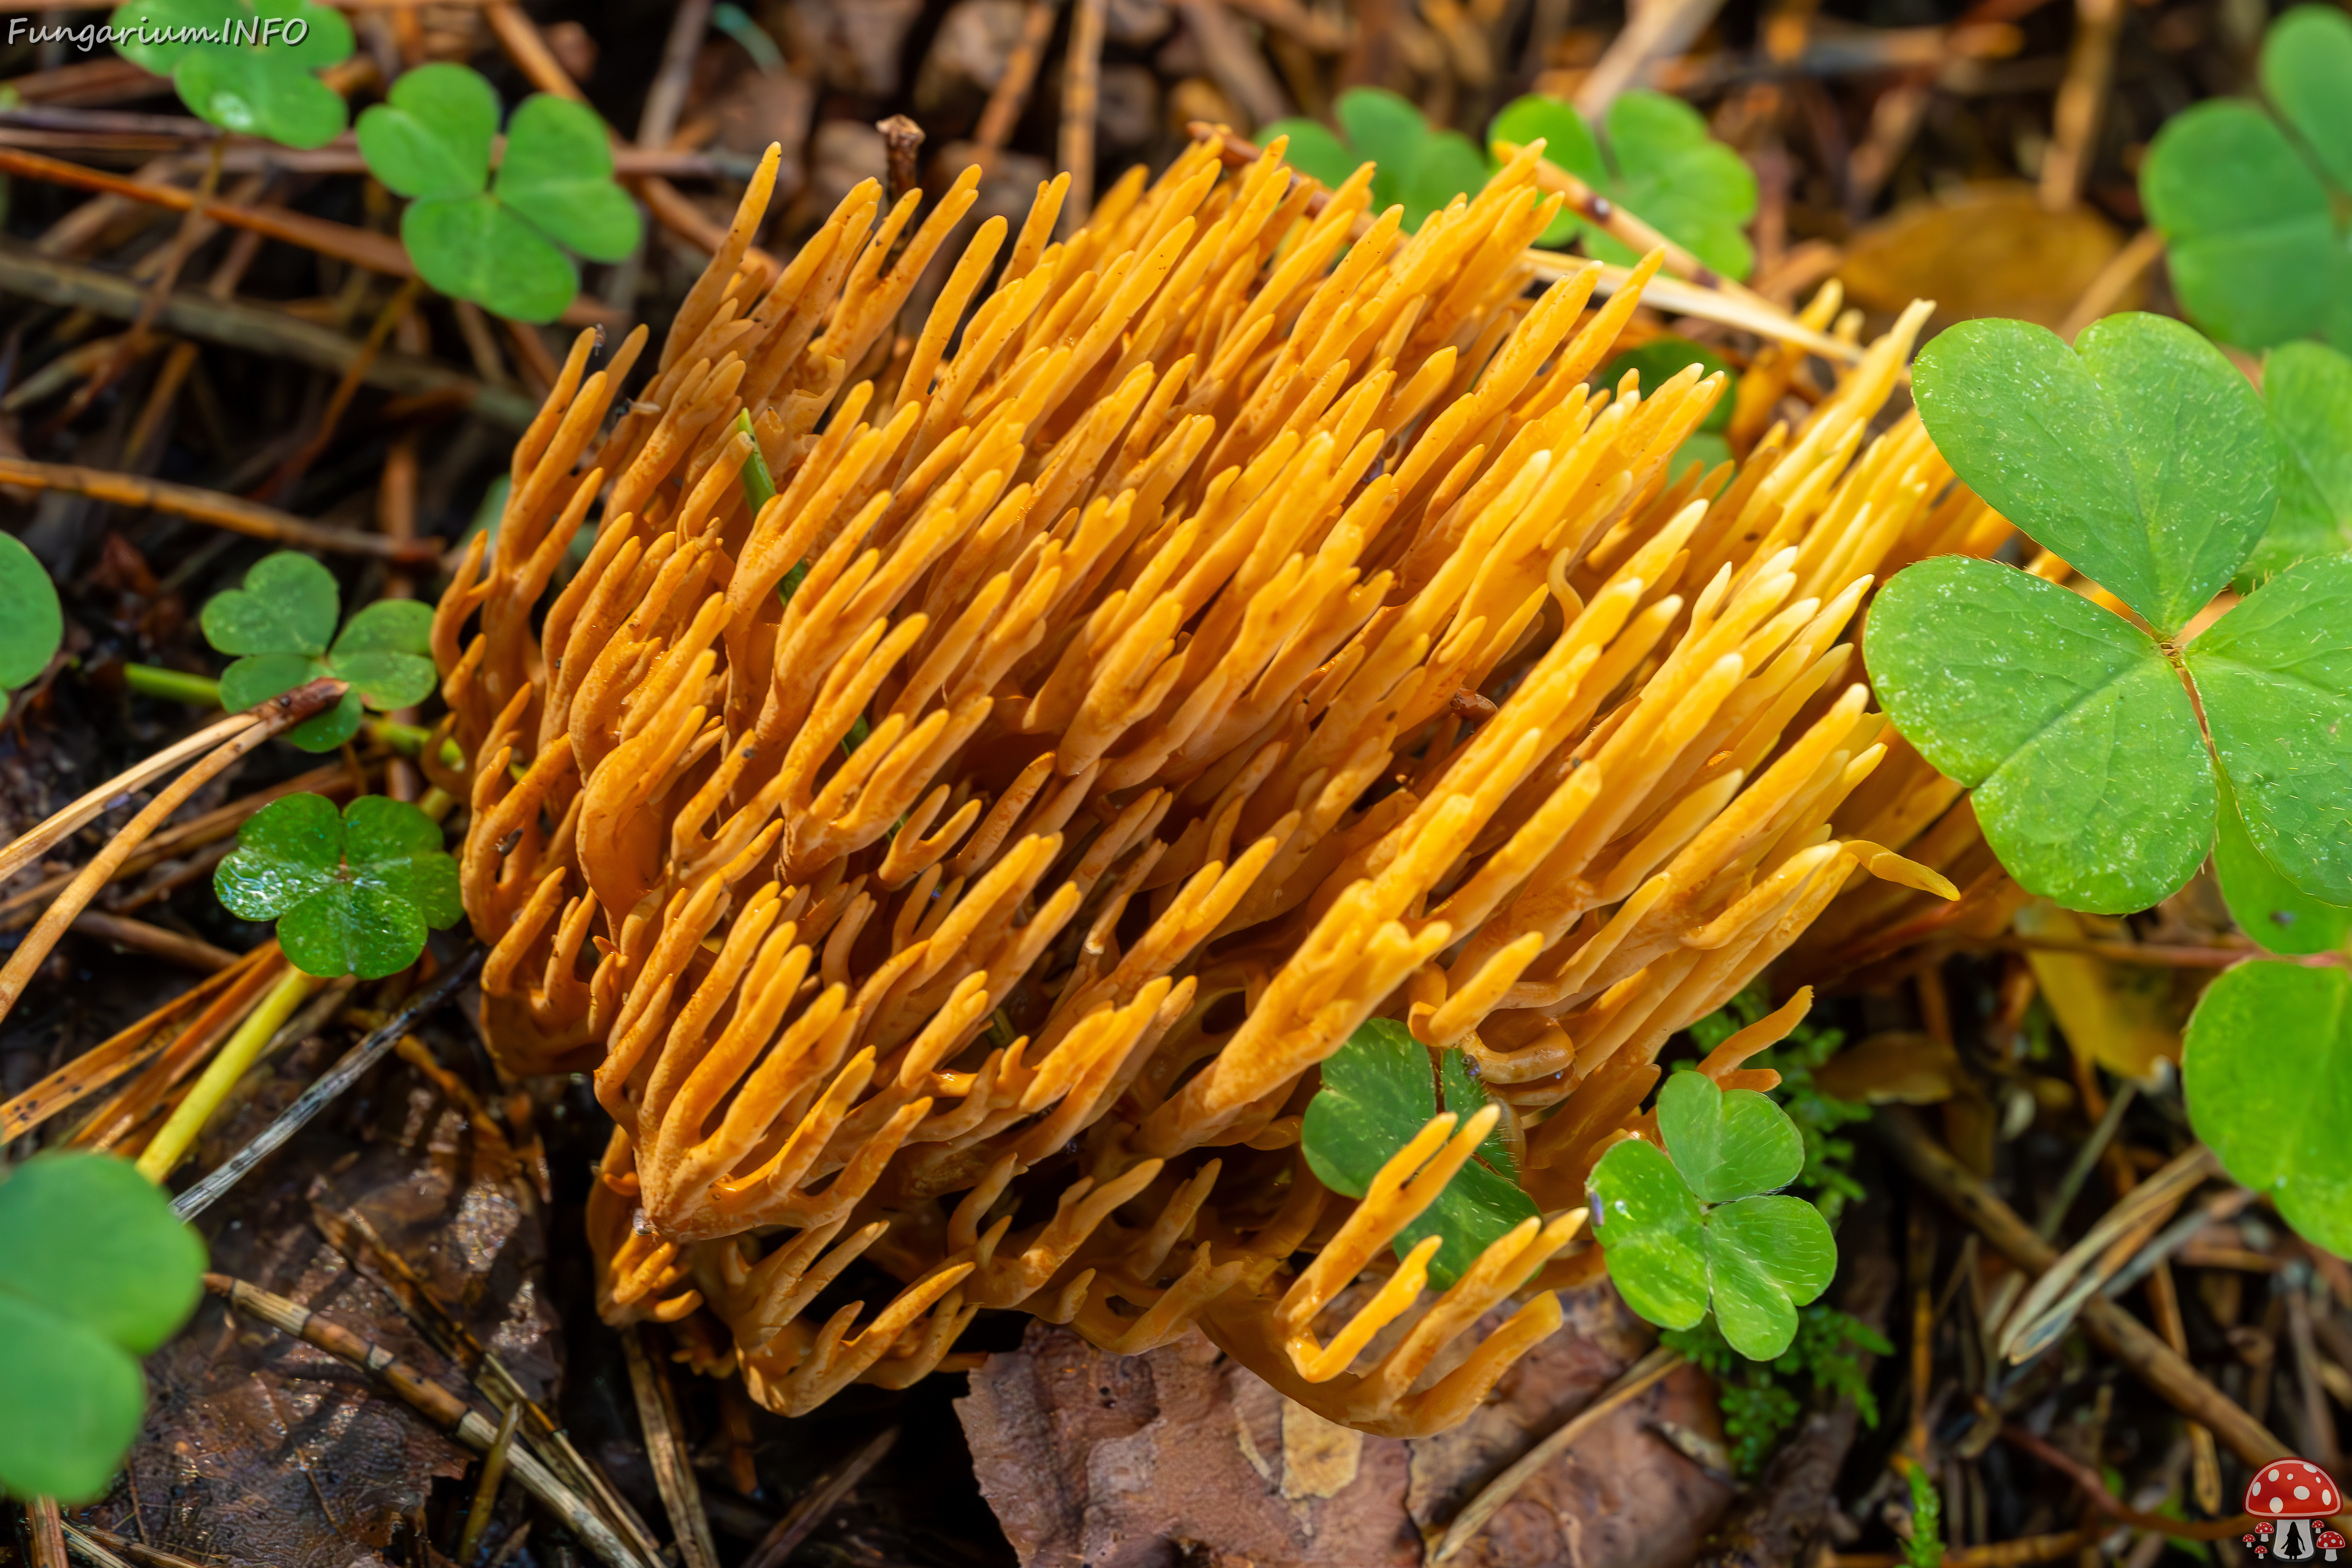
x,y
199,505
666,1447
36,841
776,1548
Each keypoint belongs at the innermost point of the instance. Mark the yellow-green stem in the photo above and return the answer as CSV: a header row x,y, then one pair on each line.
x,y
179,1134
172,685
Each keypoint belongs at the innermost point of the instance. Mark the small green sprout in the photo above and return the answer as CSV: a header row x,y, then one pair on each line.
x,y
95,1272
2144,459
352,894
1924,1547
281,624
1379,1092
1418,167
260,78
1658,162
1761,1401
1691,1225
498,242
2251,210
31,624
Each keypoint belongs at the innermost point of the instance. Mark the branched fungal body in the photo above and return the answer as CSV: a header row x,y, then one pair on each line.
x,y
1240,621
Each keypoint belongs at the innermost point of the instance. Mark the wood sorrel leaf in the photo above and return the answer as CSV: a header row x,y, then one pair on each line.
x,y
387,653
31,624
477,248
1377,1094
2141,455
1659,163
256,75
1765,1258
433,137
2309,390
2092,780
2267,1071
1727,1143
352,894
2250,241
2266,906
1650,1225
2307,68
557,174
1466,1096
288,604
2276,677
94,1272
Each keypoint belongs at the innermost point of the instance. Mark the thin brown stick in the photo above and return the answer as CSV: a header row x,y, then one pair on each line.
x,y
1304,26
278,713
666,1447
2095,1490
200,505
89,1550
31,845
290,473
1500,1490
2015,1554
2123,1335
1081,80
134,1551
428,1399
666,99
2075,119
808,1512
1010,93
257,328
1660,28
2123,268
1234,62
187,952
486,1488
48,1540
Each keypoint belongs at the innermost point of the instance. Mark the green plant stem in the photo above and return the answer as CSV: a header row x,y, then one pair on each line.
x,y
178,1134
172,685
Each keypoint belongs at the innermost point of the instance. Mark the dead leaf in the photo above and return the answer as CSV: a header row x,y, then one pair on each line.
x,y
2123,1017
1898,1068
1988,249
1180,1454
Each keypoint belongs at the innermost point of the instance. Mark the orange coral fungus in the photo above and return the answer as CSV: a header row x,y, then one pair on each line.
x,y
1200,636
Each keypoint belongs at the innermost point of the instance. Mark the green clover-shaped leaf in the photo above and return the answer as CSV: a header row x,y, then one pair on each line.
x,y
2250,208
95,1271
256,74
1755,1259
1377,1094
31,624
352,894
499,243
2148,464
432,136
557,174
2266,1067
281,621
1415,166
1659,163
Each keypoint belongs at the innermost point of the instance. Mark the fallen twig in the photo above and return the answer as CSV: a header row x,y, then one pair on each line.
x,y
808,1512
666,1449
428,1399
337,1078
1499,1491
1010,93
2088,1482
1081,74
2123,1335
200,505
254,328
188,951
280,712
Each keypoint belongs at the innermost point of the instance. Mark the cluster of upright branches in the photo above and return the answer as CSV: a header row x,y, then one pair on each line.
x,y
1194,638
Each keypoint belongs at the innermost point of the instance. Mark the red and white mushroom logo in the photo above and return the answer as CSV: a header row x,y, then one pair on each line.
x,y
2295,1494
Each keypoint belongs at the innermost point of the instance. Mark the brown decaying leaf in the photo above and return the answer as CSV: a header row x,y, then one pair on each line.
x,y
2123,1016
1991,250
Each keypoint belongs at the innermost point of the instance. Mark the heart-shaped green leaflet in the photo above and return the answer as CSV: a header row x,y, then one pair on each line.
x,y
1727,1143
2141,455
2266,1067
1376,1097
1415,167
1660,162
2091,782
558,174
259,77
2253,242
353,894
281,619
31,624
431,137
95,1272
2276,674
2266,906
2309,390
